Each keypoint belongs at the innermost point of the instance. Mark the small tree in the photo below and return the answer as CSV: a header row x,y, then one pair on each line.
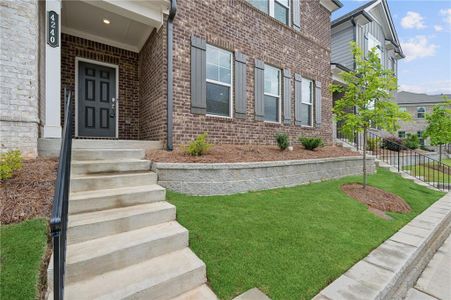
x,y
439,125
367,90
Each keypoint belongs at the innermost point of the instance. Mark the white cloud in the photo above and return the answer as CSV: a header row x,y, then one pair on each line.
x,y
438,28
430,88
413,20
418,47
447,14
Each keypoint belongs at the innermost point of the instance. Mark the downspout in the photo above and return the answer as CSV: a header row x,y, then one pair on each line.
x,y
170,75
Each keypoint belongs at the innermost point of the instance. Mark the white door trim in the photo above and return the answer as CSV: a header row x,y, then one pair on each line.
x,y
116,67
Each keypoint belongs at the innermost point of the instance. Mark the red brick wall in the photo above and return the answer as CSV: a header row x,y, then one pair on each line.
x,y
152,87
236,25
72,47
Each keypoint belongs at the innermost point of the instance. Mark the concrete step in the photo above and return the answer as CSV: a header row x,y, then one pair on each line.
x,y
200,293
93,225
107,154
161,278
95,257
116,144
109,181
109,166
90,201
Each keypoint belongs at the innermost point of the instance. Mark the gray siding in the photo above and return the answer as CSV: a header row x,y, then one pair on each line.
x,y
375,30
341,47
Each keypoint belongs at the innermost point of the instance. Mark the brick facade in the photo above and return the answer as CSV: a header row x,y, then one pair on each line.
x,y
236,25
152,87
128,98
19,109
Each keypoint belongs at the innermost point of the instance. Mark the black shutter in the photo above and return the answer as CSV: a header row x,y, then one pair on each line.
x,y
286,96
259,90
198,75
296,15
240,85
318,103
297,99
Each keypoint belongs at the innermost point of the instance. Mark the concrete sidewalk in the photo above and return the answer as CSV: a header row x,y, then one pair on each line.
x,y
435,281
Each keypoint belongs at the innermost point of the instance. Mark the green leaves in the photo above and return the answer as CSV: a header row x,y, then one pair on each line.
x,y
367,94
439,123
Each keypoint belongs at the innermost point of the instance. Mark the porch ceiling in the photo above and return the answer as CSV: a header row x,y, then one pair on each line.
x,y
130,22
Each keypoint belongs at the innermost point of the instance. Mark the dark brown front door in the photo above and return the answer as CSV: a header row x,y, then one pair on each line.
x,y
96,100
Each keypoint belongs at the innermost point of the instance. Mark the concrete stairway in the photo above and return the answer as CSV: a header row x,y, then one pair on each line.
x,y
123,241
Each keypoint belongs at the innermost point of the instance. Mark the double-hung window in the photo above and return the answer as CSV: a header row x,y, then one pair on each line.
x,y
272,94
420,112
219,82
374,43
278,9
307,102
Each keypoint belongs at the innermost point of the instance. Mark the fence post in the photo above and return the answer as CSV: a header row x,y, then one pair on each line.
x,y
399,169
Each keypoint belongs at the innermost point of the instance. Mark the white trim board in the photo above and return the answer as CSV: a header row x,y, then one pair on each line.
x,y
116,67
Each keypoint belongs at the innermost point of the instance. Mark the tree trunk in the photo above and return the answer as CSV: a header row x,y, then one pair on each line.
x,y
440,153
364,158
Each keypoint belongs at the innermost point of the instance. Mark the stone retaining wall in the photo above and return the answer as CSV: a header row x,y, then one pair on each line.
x,y
231,178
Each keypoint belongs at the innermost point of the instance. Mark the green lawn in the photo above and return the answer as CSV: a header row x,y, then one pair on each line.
x,y
290,242
447,161
21,252
429,174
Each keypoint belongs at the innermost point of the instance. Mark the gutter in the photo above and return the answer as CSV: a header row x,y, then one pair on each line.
x,y
170,74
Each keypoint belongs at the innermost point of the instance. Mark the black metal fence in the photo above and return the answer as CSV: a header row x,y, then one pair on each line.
x,y
397,155
58,221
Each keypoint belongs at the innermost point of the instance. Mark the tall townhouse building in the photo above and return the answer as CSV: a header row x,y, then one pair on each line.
x,y
165,71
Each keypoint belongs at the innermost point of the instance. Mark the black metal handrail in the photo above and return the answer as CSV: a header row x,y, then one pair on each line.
x,y
58,220
404,159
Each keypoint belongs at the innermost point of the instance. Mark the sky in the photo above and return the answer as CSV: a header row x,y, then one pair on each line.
x,y
424,30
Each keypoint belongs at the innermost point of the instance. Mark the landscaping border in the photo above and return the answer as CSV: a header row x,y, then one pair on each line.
x,y
230,178
391,269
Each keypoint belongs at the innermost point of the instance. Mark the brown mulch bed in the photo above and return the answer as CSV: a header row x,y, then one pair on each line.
x,y
247,153
29,193
376,199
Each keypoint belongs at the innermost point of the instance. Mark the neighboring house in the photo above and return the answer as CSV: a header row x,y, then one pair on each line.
x,y
370,26
418,105
242,70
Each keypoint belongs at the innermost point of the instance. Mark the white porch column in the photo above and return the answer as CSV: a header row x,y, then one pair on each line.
x,y
52,127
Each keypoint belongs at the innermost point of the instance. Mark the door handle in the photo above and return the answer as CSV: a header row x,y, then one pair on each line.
x,y
113,107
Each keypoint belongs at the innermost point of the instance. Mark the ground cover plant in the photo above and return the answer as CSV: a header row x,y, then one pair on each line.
x,y
311,143
10,162
291,242
199,146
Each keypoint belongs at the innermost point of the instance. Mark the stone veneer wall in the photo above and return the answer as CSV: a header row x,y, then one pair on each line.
x,y
128,98
237,25
231,178
19,111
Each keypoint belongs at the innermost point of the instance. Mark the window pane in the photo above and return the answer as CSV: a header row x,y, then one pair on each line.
x,y
307,91
306,114
218,99
224,59
212,72
212,55
261,5
281,12
271,109
224,75
271,80
284,2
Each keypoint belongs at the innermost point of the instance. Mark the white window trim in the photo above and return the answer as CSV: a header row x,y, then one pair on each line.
x,y
312,94
423,112
272,10
230,85
279,97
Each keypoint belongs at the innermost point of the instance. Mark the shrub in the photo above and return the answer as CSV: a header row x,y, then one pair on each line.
x,y
283,141
311,143
199,146
372,144
412,141
9,162
392,143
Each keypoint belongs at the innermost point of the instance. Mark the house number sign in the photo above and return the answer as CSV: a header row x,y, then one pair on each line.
x,y
52,29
